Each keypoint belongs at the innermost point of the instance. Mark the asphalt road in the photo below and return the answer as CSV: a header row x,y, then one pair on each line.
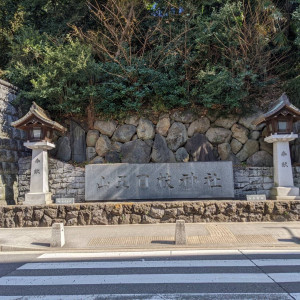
x,y
227,274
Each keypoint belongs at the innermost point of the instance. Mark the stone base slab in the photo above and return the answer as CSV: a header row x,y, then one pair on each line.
x,y
284,192
285,198
38,199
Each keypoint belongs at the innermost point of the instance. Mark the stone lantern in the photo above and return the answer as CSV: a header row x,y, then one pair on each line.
x,y
39,128
279,123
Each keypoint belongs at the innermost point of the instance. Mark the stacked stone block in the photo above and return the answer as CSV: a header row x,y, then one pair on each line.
x,y
11,145
180,136
65,180
296,173
255,180
148,213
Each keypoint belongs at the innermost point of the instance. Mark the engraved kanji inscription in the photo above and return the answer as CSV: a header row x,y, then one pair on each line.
x,y
103,183
37,171
212,180
122,182
284,164
191,180
188,181
37,161
143,181
283,153
164,181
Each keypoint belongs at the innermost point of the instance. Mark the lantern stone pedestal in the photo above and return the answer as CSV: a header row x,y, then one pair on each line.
x,y
39,188
283,177
39,128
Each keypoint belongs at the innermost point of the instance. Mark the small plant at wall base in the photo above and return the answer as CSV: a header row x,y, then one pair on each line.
x,y
113,57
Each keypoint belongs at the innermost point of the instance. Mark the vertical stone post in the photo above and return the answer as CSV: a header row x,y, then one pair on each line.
x,y
58,235
39,188
180,235
284,188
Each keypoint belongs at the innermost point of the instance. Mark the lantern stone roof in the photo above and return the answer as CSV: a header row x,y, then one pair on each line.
x,y
37,112
283,106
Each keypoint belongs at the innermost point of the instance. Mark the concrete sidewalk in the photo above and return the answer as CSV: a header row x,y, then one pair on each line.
x,y
272,235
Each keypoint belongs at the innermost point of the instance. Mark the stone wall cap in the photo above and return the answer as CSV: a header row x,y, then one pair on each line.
x,y
39,145
281,138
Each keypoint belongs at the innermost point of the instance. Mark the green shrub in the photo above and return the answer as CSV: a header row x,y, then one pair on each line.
x,y
111,57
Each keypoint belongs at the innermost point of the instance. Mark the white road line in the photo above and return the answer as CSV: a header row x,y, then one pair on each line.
x,y
276,262
264,251
205,252
296,296
137,264
104,254
139,253
140,278
163,253
285,277
158,264
206,296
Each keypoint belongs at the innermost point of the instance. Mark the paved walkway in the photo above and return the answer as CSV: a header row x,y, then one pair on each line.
x,y
272,235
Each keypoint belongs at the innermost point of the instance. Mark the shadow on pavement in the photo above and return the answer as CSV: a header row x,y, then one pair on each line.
x,y
293,239
41,244
163,242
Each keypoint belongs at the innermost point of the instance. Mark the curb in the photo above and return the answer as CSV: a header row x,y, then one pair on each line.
x,y
8,248
122,249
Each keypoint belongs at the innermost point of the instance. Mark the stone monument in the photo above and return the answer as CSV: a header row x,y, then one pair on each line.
x,y
279,122
39,128
192,180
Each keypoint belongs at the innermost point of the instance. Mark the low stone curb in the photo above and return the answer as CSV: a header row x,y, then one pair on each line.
x,y
113,213
8,248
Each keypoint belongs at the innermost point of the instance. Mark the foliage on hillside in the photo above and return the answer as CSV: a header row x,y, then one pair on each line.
x,y
115,56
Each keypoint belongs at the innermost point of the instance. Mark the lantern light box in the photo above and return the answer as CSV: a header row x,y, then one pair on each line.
x,y
37,125
280,118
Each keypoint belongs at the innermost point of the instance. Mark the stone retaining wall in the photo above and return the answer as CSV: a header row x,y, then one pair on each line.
x,y
178,136
66,180
149,213
11,145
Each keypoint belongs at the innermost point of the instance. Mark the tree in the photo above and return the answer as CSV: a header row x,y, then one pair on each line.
x,y
115,56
